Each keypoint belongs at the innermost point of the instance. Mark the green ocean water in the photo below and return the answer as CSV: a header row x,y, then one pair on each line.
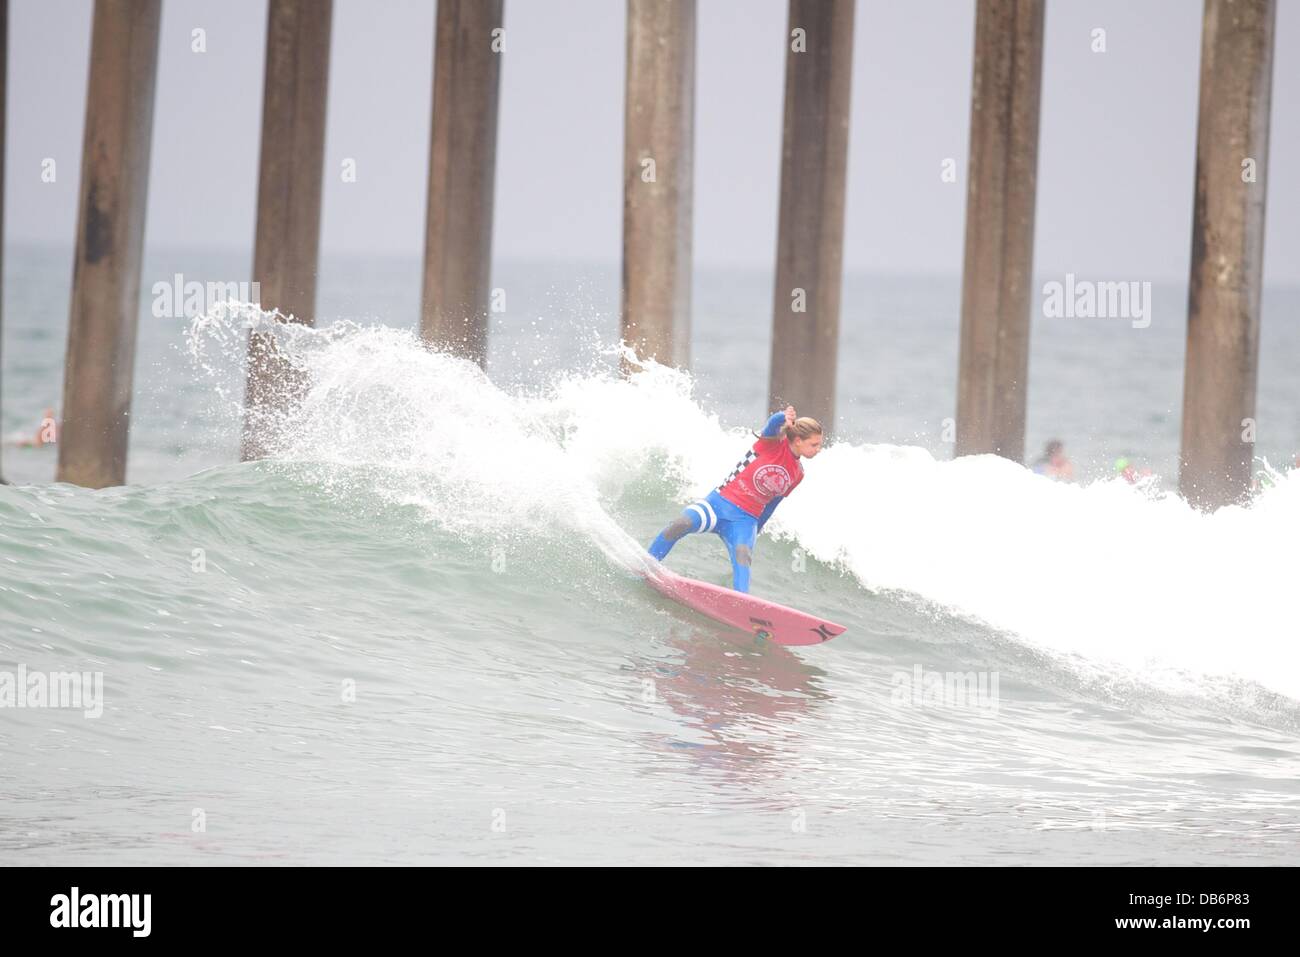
x,y
343,684
416,634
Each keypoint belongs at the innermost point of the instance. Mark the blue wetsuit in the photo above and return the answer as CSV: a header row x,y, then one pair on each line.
x,y
733,524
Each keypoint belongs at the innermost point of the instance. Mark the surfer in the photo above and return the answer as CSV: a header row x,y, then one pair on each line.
x,y
1129,472
47,433
1053,462
738,509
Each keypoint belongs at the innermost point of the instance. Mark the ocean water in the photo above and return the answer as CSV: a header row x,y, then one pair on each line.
x,y
417,634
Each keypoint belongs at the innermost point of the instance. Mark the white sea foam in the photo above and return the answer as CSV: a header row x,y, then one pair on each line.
x,y
1111,575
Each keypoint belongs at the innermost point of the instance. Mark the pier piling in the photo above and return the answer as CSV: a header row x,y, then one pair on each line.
x,y
1223,315
997,276
287,244
658,179
4,72
100,361
810,233
462,177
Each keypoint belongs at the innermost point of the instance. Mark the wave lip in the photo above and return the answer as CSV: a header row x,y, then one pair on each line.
x,y
1109,575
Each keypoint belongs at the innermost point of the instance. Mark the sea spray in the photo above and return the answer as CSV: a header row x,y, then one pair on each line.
x,y
1102,576
427,428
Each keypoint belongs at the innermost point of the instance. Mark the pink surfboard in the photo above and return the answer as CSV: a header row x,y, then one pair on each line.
x,y
763,619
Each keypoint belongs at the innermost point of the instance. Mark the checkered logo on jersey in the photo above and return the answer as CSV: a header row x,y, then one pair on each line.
x,y
740,467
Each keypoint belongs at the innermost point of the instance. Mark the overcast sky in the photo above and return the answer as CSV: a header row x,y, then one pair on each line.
x,y
1116,157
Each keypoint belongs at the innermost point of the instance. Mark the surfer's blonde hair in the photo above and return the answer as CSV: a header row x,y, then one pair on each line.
x,y
800,428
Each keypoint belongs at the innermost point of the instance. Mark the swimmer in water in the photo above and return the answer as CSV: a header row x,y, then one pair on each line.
x,y
47,433
1053,462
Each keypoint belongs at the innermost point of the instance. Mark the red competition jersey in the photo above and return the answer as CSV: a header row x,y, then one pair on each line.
x,y
768,469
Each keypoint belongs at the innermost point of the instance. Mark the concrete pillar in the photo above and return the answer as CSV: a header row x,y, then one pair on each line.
x,y
810,235
997,278
4,72
110,238
1227,252
658,176
462,176
286,250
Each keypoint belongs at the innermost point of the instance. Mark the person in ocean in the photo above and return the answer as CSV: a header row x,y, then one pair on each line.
x,y
1053,462
738,509
47,433
1129,472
